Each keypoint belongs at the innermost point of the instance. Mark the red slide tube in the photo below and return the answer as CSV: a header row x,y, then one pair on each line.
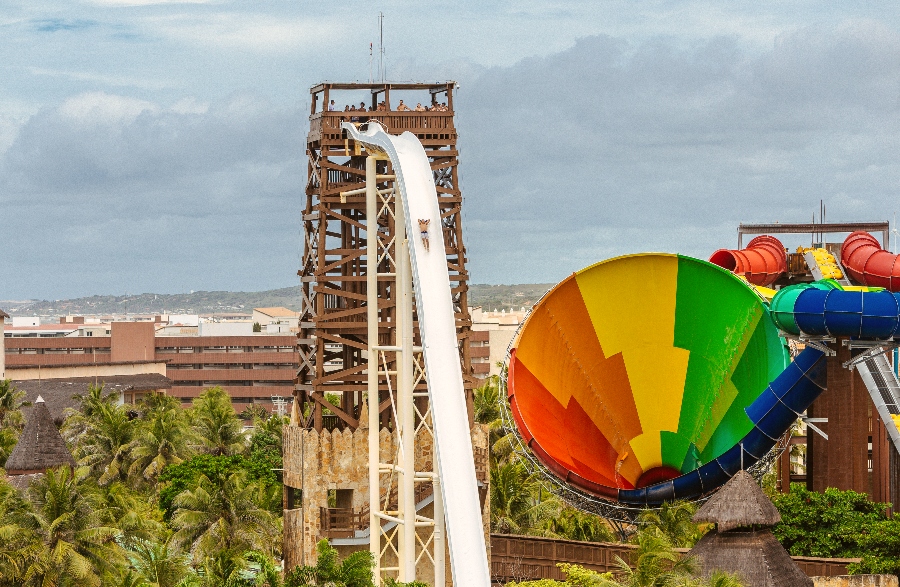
x,y
762,262
867,263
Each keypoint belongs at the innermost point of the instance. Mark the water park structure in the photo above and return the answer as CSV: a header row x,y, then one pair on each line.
x,y
638,380
664,393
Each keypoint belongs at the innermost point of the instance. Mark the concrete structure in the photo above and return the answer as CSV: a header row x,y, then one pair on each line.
x,y
251,368
333,466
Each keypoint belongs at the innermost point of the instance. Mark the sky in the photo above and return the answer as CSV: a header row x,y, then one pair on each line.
x,y
158,146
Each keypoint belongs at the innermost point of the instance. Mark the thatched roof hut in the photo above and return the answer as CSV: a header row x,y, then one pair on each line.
x,y
742,542
40,446
741,503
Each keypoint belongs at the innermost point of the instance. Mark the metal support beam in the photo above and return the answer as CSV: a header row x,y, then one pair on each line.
x,y
411,550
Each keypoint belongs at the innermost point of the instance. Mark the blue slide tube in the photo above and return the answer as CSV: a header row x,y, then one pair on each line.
x,y
772,414
819,310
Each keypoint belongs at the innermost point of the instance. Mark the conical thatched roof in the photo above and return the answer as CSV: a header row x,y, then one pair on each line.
x,y
40,446
740,503
756,557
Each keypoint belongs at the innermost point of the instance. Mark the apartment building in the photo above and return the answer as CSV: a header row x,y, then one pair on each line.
x,y
490,337
252,368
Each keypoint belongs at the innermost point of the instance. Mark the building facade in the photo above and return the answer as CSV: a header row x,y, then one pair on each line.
x,y
253,369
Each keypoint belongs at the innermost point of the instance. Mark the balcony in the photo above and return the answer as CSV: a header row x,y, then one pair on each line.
x,y
432,128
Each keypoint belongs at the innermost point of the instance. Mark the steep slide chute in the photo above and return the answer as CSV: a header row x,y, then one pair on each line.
x,y
437,325
652,377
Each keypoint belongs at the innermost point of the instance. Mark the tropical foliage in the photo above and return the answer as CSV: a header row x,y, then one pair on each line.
x,y
161,497
842,524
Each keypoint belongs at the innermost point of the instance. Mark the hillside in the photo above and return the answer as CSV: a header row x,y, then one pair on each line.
x,y
206,302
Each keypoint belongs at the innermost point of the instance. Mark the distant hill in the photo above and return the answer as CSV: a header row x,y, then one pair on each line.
x,y
490,297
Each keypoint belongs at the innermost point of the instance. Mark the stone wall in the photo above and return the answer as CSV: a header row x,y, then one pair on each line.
x,y
856,581
318,462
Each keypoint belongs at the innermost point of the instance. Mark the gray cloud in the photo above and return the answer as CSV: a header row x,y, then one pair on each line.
x,y
606,148
609,148
106,193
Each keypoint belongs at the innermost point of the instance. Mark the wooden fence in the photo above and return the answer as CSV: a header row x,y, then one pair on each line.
x,y
518,558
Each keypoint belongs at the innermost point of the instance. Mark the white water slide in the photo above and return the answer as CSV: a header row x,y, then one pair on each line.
x,y
414,182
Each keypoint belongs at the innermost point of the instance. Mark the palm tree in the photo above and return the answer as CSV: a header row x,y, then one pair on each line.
x,y
353,571
159,563
78,421
11,403
673,520
105,441
18,544
518,502
76,545
160,440
656,563
574,524
218,427
130,512
223,516
486,401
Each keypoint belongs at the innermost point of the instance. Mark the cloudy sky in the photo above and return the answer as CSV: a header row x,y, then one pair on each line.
x,y
158,146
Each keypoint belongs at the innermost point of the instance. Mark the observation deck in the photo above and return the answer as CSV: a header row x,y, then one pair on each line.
x,y
434,128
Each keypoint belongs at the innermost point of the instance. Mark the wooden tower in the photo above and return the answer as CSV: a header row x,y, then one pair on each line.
x,y
333,340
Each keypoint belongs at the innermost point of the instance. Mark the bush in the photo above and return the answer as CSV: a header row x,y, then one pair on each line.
x,y
177,478
839,524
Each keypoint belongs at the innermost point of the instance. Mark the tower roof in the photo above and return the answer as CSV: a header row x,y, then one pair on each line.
x,y
739,503
40,446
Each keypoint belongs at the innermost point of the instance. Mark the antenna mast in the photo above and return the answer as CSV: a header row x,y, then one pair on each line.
x,y
381,45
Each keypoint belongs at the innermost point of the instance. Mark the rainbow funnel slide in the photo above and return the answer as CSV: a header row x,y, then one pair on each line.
x,y
652,377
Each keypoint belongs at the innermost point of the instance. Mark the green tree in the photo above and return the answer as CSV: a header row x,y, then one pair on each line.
x,y
518,503
159,562
827,524
130,512
354,571
18,544
218,428
573,524
162,439
673,520
11,419
186,475
576,576
268,434
486,401
223,514
11,403
843,524
104,441
77,546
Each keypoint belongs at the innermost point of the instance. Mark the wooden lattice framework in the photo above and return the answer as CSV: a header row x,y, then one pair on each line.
x,y
332,340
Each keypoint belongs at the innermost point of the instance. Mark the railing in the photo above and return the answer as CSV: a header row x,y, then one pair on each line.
x,y
343,522
327,125
520,558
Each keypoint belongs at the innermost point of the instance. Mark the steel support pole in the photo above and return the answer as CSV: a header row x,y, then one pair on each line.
x,y
405,408
372,367
440,565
